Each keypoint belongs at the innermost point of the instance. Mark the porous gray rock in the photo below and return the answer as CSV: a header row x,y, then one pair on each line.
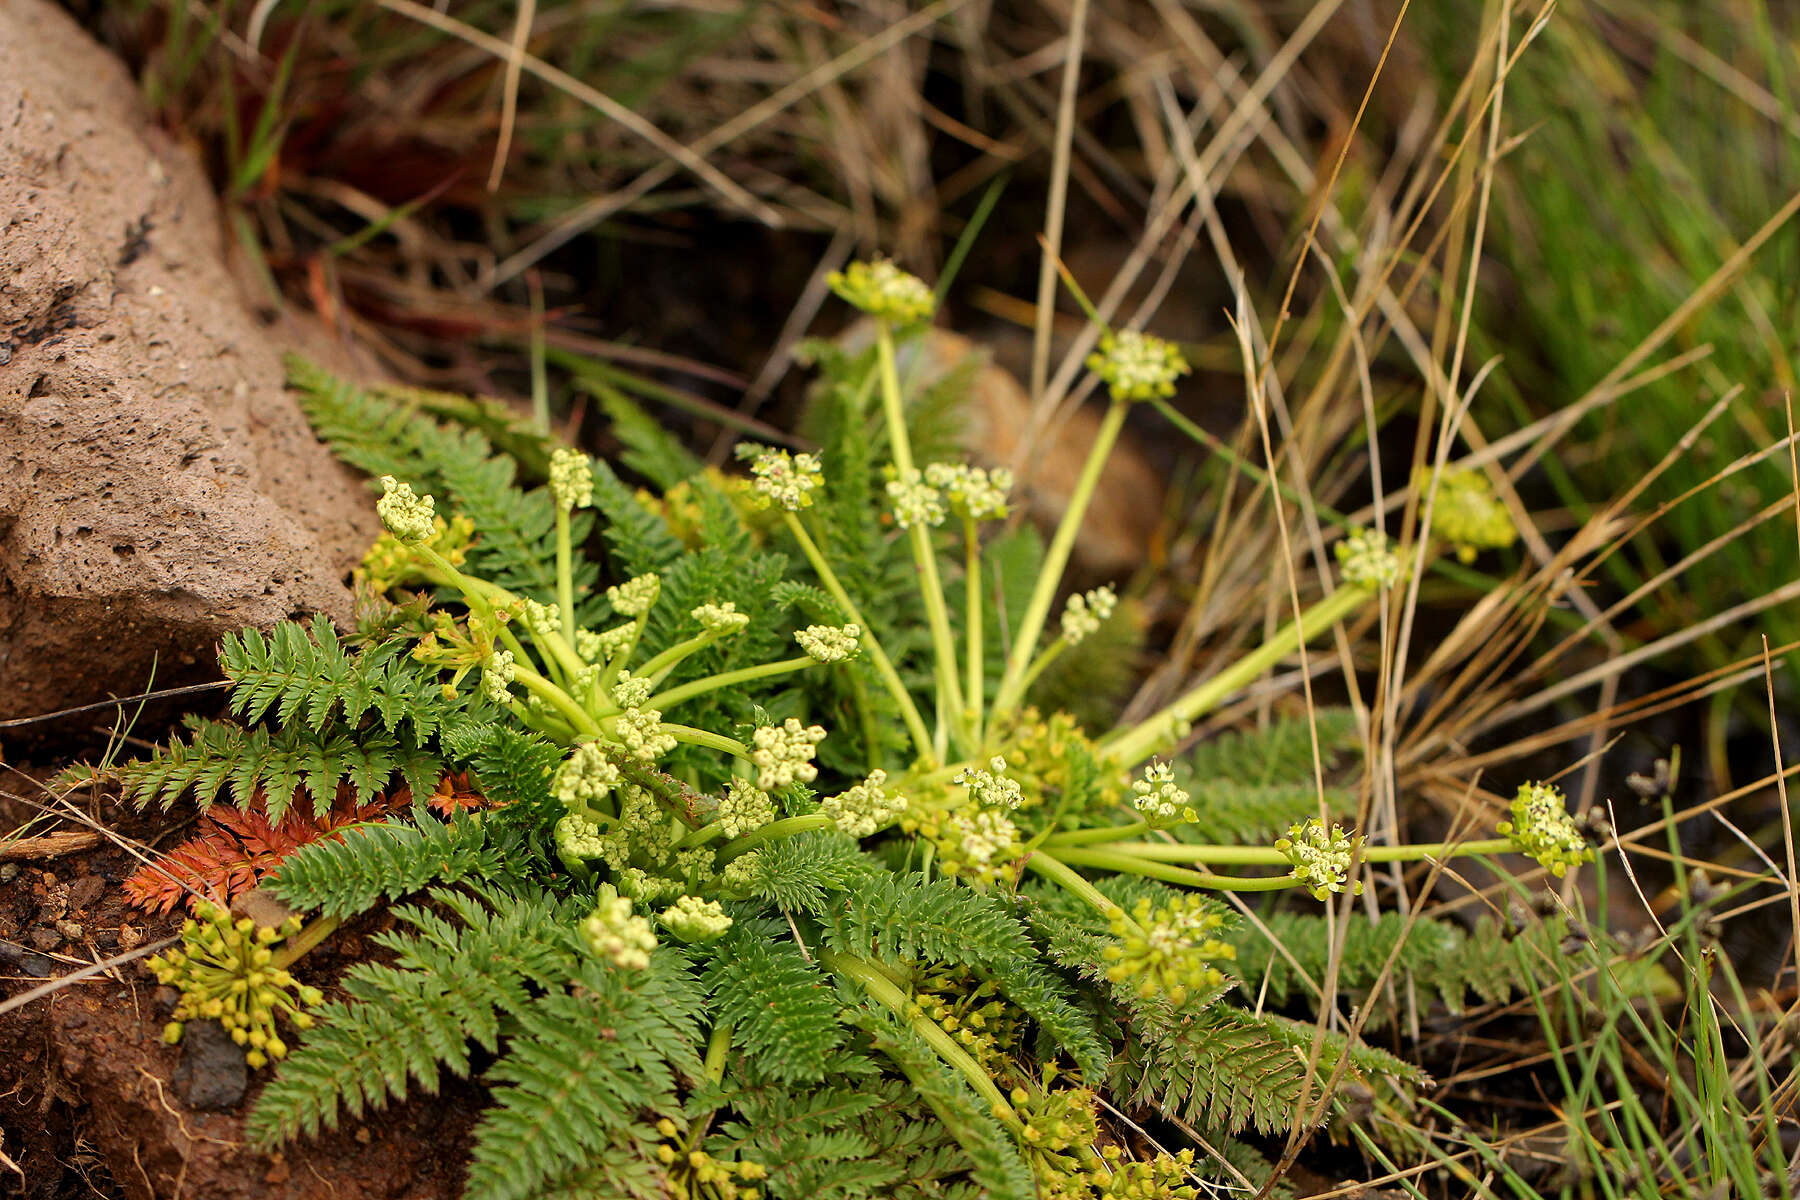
x,y
157,485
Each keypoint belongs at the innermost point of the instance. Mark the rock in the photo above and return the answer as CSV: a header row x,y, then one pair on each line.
x,y
212,1075
158,487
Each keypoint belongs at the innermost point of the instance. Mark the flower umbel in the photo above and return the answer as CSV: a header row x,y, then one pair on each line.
x,y
497,674
616,933
1367,559
720,619
972,492
695,920
1321,857
915,501
634,597
883,290
742,809
1466,512
1086,612
784,753
990,788
571,479
1159,797
1138,366
585,778
1168,951
830,643
226,972
407,516
1542,828
865,808
783,480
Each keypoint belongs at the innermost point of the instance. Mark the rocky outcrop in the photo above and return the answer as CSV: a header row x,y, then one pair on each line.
x,y
157,486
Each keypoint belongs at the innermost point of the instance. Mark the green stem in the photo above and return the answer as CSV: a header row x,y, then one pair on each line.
x,y
1012,684
1041,662
658,668
1088,837
931,587
883,991
1131,864
1071,881
310,936
973,694
565,570
702,737
717,1046
786,827
1268,856
884,667
558,699
699,687
1128,747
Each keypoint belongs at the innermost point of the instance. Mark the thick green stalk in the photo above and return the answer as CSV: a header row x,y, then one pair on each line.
x,y
1268,856
711,683
565,571
1127,748
558,699
973,694
1070,880
931,587
1012,684
314,932
658,668
1105,833
786,827
702,737
884,666
883,991
1130,864
484,597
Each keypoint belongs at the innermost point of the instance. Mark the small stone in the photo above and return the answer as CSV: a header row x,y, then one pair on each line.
x,y
8,872
130,937
212,1074
262,907
70,929
44,939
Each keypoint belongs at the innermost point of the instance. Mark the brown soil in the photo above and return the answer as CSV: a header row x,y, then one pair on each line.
x,y
88,1105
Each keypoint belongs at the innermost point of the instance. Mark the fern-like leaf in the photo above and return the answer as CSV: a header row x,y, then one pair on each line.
x,y
782,1008
354,872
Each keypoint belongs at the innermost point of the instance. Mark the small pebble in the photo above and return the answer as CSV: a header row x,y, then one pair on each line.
x,y
70,929
8,872
130,937
44,939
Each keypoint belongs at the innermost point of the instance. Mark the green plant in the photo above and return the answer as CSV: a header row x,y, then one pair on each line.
x,y
696,914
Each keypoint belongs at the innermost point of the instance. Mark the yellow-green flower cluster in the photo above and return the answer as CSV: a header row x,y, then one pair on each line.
x,y
599,647
1367,560
226,972
1169,950
1466,513
972,492
696,1173
914,501
830,643
1542,828
883,290
743,809
585,778
1159,798
783,754
1321,857
863,809
634,597
990,788
571,479
1138,366
720,619
978,843
407,516
497,673
1086,611
616,933
782,480
692,919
